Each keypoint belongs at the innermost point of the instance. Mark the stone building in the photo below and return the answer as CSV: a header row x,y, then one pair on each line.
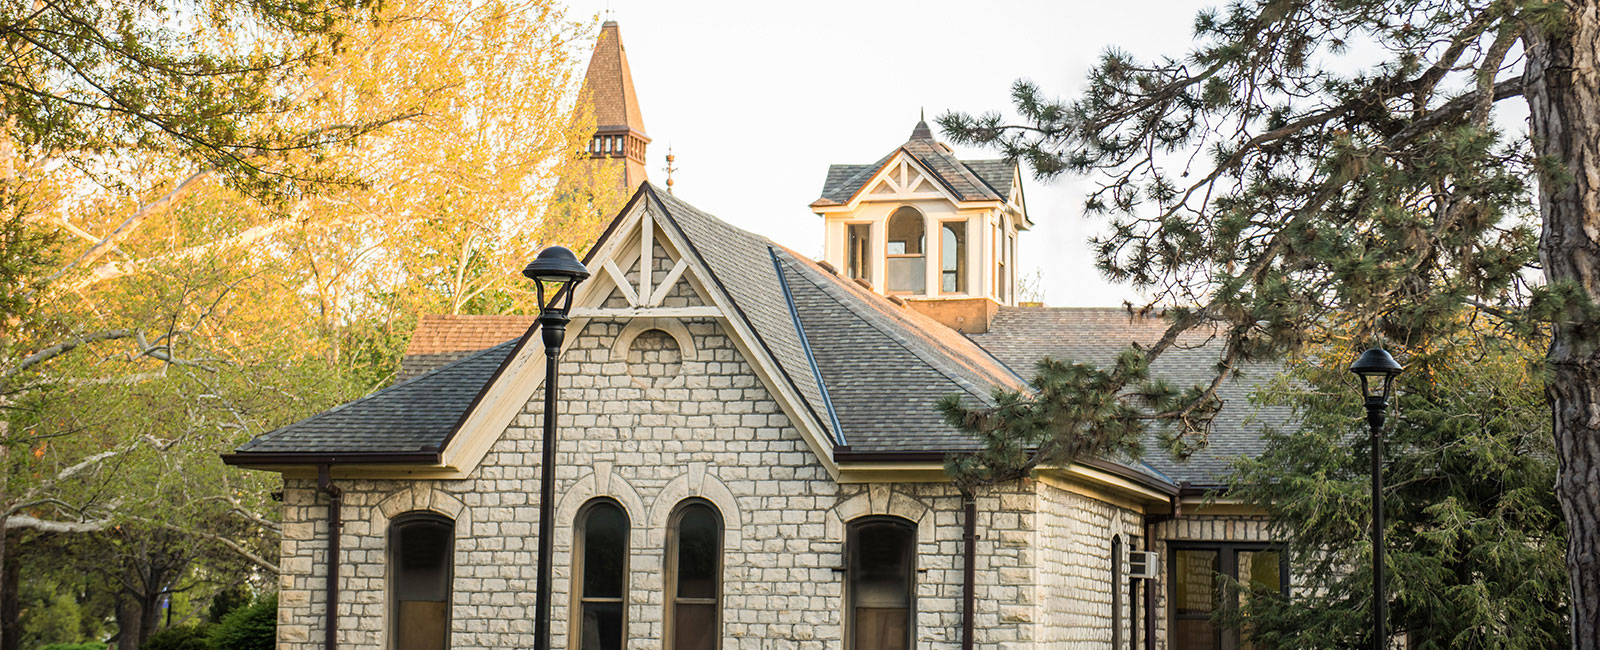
x,y
750,455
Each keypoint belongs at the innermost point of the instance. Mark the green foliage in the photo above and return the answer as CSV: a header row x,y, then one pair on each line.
x,y
1074,410
183,637
1474,535
1302,161
74,646
247,628
226,601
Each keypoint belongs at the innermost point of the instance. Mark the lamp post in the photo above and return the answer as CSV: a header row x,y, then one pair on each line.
x,y
1375,365
558,267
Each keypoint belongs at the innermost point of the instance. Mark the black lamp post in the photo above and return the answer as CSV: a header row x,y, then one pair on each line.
x,y
1377,371
558,267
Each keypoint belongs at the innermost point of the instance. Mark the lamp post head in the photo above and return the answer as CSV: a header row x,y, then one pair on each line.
x,y
558,266
1376,364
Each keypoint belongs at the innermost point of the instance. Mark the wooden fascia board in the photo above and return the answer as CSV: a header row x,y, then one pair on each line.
x,y
862,195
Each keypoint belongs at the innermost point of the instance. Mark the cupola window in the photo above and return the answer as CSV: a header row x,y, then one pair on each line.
x,y
953,257
906,263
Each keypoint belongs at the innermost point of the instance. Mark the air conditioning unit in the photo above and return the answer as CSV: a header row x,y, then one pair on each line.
x,y
1144,564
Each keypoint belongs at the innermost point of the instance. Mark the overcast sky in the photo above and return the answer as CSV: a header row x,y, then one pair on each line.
x,y
757,98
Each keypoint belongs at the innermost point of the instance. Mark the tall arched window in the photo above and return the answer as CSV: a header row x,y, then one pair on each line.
x,y
420,568
907,263
953,257
882,564
694,577
600,562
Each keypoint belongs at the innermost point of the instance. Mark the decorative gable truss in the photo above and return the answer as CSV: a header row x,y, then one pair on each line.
x,y
642,274
904,179
641,271
637,271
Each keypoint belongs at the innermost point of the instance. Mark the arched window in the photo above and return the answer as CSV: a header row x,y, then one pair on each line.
x,y
694,577
953,257
600,573
906,264
420,568
882,564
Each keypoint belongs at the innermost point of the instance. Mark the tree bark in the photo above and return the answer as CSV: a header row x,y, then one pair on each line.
x,y
1563,94
10,591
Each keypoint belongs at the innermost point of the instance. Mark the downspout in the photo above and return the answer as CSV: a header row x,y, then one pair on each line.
x,y
969,569
335,503
1150,522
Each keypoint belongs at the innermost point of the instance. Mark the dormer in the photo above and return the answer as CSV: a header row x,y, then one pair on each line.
x,y
938,232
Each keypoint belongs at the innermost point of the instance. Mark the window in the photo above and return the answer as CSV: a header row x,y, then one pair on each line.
x,y
420,565
953,257
694,577
1197,589
859,249
600,562
907,269
882,559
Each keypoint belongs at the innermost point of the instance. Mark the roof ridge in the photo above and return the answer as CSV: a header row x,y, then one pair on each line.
x,y
900,340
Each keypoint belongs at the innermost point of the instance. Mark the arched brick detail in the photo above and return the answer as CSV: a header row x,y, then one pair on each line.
x,y
697,482
421,496
637,326
881,500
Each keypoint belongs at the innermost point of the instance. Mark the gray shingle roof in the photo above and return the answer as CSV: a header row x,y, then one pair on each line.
x,y
886,367
414,415
969,180
1021,336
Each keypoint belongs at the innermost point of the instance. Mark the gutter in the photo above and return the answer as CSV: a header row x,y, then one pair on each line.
x,y
969,568
330,625
844,454
322,460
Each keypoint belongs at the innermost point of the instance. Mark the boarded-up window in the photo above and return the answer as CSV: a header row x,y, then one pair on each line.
x,y
420,566
601,559
694,576
882,564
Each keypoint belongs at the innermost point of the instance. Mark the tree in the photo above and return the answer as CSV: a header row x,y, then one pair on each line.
x,y
1475,534
1272,177
177,302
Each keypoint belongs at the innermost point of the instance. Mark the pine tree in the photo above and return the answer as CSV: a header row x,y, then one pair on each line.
x,y
1474,536
1274,176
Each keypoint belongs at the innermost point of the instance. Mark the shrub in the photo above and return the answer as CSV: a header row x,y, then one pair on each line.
x,y
183,637
247,628
74,646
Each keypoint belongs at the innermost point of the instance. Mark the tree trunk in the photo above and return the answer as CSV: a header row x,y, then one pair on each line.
x,y
129,616
10,590
1563,93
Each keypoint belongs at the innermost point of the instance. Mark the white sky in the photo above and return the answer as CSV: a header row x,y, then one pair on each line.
x,y
757,98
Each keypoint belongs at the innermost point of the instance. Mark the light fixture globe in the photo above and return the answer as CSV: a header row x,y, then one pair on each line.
x,y
1376,364
556,264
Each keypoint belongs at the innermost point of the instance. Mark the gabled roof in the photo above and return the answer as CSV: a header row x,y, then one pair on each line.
x,y
1022,336
968,180
867,371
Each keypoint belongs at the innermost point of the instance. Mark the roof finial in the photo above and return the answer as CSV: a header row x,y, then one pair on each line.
x,y
922,114
922,132
670,167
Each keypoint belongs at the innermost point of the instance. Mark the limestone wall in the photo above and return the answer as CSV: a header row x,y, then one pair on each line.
x,y
633,433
